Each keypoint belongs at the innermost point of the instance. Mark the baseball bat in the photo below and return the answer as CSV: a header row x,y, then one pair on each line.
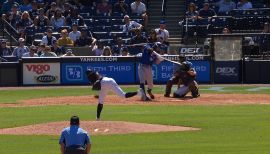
x,y
175,62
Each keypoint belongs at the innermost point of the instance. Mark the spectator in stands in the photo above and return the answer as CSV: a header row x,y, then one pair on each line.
x,y
106,51
104,8
51,12
74,34
40,49
139,8
192,13
244,5
60,3
137,42
118,45
25,21
21,49
74,17
124,51
98,50
121,7
206,11
7,5
14,16
32,52
34,11
41,20
67,9
4,50
26,6
226,31
57,50
152,36
64,40
47,52
48,39
69,53
85,40
162,33
130,26
225,6
57,20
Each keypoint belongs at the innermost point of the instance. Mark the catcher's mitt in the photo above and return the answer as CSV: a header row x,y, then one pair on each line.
x,y
97,85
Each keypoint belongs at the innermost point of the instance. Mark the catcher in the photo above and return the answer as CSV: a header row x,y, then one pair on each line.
x,y
187,82
183,74
104,85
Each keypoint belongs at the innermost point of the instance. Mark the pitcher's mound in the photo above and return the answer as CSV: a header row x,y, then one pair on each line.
x,y
94,128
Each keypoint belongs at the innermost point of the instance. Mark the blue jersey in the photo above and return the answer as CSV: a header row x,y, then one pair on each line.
x,y
147,57
74,135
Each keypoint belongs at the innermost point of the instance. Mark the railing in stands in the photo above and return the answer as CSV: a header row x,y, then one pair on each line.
x,y
163,7
8,29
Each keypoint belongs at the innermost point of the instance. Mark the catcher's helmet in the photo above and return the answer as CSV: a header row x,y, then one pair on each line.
x,y
186,65
92,76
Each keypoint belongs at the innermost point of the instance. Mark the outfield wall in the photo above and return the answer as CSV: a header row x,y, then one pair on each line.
x,y
70,70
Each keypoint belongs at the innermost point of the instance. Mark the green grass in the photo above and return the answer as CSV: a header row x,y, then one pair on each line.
x,y
225,129
240,129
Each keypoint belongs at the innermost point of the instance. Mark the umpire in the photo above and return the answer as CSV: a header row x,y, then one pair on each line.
x,y
74,140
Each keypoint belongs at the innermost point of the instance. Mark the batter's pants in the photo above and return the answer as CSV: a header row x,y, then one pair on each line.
x,y
145,74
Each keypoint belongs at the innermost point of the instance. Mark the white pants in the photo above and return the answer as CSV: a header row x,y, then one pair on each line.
x,y
109,84
145,74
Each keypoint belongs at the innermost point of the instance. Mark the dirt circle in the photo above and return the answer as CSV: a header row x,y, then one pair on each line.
x,y
94,128
204,99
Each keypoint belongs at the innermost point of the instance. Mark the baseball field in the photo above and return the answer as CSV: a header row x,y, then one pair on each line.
x,y
226,119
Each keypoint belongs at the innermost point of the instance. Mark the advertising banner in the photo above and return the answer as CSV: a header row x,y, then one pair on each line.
x,y
41,73
227,72
74,73
163,72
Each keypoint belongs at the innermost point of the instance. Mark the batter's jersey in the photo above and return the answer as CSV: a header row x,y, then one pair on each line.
x,y
109,84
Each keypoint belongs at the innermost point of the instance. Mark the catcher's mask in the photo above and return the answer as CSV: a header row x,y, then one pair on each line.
x,y
92,76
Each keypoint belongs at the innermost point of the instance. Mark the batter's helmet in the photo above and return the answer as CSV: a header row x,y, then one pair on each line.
x,y
92,76
157,45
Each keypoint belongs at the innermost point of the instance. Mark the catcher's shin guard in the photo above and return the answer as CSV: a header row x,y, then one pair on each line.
x,y
194,88
130,94
168,88
99,109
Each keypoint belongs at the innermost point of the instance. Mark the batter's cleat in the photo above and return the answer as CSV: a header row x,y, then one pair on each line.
x,y
97,119
149,91
147,99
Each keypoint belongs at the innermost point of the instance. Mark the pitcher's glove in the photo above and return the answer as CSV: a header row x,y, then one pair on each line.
x,y
97,85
